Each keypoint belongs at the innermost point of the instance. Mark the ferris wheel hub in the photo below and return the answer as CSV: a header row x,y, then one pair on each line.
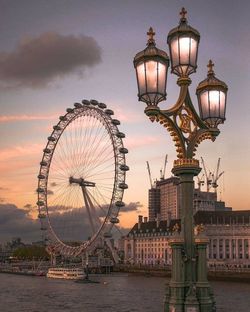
x,y
81,182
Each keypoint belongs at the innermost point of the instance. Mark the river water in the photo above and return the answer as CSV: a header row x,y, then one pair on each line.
x,y
114,293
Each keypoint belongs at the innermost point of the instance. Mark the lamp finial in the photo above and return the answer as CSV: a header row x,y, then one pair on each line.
x,y
183,14
210,66
151,34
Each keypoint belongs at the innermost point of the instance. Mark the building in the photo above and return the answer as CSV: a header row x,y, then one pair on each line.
x,y
229,236
164,199
204,201
154,206
228,232
147,243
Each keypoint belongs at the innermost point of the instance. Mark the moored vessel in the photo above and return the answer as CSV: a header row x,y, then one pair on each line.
x,y
66,273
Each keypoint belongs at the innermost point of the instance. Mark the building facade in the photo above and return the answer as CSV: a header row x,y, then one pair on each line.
x,y
147,243
229,236
154,203
228,233
164,199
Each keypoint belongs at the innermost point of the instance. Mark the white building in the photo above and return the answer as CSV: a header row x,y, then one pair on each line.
x,y
229,236
228,232
148,243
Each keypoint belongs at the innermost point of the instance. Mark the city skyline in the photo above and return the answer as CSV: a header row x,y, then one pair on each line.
x,y
38,82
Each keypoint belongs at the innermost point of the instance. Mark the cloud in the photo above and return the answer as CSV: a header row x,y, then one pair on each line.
x,y
38,61
3,188
132,206
15,222
69,225
11,118
18,151
133,142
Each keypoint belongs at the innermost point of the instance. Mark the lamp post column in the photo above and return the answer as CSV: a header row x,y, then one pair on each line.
x,y
204,291
186,169
175,290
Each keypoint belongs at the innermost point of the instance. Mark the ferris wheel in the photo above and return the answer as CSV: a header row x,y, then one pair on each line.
x,y
82,178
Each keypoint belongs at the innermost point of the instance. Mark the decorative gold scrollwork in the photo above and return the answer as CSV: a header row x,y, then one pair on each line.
x,y
187,122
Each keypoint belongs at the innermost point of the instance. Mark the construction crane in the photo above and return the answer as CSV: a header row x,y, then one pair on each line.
x,y
149,174
208,176
200,181
163,172
216,176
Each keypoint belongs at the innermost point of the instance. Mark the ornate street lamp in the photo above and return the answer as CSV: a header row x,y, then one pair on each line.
x,y
212,94
183,44
151,70
188,289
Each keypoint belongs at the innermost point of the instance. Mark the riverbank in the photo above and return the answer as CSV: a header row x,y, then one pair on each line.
x,y
24,272
213,275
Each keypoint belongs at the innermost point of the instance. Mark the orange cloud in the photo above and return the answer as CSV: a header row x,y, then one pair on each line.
x,y
10,118
7,154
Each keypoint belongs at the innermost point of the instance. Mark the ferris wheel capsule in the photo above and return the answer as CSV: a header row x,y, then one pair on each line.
x,y
116,122
63,118
102,105
123,150
109,112
120,204
78,105
114,220
120,135
124,167
85,102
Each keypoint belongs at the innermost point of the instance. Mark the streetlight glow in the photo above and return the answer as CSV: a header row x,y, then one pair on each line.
x,y
212,94
151,66
183,44
183,55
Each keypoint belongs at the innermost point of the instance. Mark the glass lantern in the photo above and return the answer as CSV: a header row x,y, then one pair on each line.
x,y
151,67
183,44
212,96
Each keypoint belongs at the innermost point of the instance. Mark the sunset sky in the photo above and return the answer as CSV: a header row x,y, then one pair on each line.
x,y
57,52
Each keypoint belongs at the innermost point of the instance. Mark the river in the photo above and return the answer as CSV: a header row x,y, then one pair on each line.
x,y
114,293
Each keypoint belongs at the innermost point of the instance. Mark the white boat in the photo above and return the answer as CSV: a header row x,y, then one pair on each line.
x,y
66,273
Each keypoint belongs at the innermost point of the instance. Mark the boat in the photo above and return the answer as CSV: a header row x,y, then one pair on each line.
x,y
66,273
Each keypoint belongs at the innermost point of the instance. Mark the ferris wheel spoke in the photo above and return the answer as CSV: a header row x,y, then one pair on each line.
x,y
95,146
89,141
62,153
102,157
91,152
102,166
104,200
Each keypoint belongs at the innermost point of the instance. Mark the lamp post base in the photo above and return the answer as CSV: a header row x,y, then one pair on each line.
x,y
188,290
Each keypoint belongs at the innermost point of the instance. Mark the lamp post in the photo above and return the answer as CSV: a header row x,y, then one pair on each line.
x,y
188,290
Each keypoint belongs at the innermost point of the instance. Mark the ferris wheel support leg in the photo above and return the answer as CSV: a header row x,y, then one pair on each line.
x,y
86,200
